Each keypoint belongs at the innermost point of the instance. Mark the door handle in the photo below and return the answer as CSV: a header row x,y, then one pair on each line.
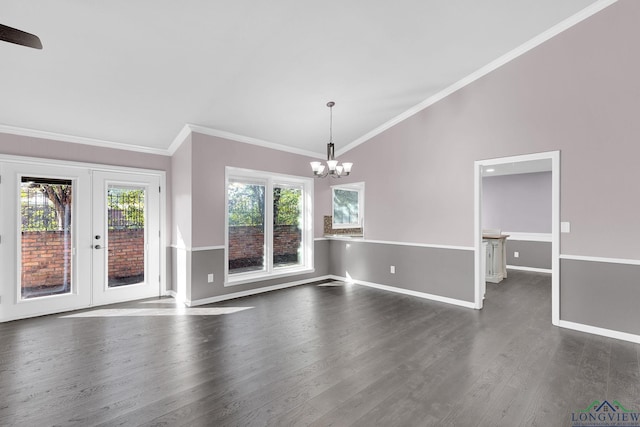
x,y
99,247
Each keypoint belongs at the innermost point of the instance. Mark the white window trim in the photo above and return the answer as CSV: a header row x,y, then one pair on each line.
x,y
355,186
232,173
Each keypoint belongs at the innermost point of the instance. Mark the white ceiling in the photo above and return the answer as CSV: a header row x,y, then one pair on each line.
x,y
137,72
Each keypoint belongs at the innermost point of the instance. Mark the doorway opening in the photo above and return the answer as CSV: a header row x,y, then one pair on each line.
x,y
549,161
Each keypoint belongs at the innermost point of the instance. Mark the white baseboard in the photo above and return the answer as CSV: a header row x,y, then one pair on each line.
x,y
600,331
534,269
453,301
562,323
252,292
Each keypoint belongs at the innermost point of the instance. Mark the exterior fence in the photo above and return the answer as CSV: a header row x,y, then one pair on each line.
x,y
246,245
125,211
43,253
126,253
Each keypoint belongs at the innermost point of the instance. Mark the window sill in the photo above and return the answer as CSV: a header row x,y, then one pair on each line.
x,y
243,279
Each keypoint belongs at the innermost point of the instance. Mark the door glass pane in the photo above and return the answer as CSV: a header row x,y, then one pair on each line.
x,y
125,238
246,227
287,226
46,239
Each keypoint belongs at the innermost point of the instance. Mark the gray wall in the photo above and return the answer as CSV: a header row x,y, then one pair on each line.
x,y
576,93
605,295
443,272
198,171
520,202
532,254
211,155
204,262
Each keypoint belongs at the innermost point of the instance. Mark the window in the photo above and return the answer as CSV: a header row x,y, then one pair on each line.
x,y
348,205
269,225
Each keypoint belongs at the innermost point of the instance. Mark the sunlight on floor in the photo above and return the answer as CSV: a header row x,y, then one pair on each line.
x,y
138,312
334,283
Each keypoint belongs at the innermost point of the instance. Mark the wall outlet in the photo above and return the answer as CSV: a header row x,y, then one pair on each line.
x,y
516,254
393,269
565,227
210,277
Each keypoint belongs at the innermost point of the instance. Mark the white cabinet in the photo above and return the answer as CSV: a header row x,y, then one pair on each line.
x,y
496,253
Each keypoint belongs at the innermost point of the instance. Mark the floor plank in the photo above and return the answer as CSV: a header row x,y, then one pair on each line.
x,y
313,356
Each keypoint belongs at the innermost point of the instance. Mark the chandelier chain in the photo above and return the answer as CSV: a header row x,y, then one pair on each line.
x,y
331,124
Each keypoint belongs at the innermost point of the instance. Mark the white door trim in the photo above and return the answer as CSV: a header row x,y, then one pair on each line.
x,y
554,156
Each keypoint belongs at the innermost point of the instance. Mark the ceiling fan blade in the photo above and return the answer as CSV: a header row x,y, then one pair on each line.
x,y
13,35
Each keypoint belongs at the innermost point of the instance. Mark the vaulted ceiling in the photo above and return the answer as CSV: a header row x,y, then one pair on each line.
x,y
136,72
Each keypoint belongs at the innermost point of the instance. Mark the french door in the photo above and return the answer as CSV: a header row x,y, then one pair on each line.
x,y
126,237
72,237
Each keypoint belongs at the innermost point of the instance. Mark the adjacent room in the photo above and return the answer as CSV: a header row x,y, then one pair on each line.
x,y
422,213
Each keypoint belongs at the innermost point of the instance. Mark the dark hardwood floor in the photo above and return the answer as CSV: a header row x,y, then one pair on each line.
x,y
313,355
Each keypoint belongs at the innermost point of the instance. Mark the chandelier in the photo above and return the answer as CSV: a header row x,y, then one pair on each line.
x,y
332,169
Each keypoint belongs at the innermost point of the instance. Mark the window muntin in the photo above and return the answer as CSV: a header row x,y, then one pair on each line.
x,y
347,205
269,220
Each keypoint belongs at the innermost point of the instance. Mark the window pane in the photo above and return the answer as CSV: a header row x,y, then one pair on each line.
x,y
287,226
345,206
46,206
246,227
125,217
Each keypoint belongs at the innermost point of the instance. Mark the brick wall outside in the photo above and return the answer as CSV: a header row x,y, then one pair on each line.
x,y
246,245
43,254
126,253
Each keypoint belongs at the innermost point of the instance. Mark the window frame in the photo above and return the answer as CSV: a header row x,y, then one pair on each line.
x,y
357,187
271,180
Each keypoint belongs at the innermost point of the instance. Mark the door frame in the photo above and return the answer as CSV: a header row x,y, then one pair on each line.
x,y
554,156
6,158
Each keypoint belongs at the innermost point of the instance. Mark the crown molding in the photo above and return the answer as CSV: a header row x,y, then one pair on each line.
x,y
180,138
189,128
493,65
253,141
13,130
